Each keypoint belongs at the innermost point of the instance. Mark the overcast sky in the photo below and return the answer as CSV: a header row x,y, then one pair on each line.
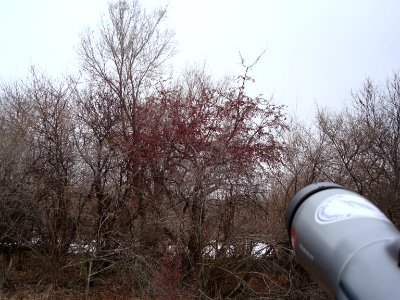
x,y
316,51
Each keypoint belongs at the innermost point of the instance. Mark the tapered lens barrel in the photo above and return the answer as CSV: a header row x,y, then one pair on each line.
x,y
345,242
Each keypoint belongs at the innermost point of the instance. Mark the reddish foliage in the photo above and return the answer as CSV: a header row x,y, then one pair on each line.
x,y
206,123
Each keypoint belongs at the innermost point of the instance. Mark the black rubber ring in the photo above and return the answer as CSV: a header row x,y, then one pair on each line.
x,y
302,195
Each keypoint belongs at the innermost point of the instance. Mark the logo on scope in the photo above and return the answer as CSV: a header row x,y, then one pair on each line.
x,y
344,206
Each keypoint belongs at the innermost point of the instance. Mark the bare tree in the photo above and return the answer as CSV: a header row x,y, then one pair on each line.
x,y
41,173
128,54
123,60
378,111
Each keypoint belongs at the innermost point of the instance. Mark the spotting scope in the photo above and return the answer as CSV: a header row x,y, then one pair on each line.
x,y
345,242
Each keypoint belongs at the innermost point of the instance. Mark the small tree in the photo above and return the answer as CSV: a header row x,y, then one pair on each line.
x,y
203,145
41,176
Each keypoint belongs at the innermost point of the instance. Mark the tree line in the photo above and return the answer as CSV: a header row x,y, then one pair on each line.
x,y
172,187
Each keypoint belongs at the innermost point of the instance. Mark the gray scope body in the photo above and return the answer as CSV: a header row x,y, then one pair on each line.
x,y
345,242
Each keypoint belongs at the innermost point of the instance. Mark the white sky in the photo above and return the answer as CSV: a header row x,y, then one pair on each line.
x,y
316,51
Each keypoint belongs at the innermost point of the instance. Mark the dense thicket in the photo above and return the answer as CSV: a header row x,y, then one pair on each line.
x,y
159,188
